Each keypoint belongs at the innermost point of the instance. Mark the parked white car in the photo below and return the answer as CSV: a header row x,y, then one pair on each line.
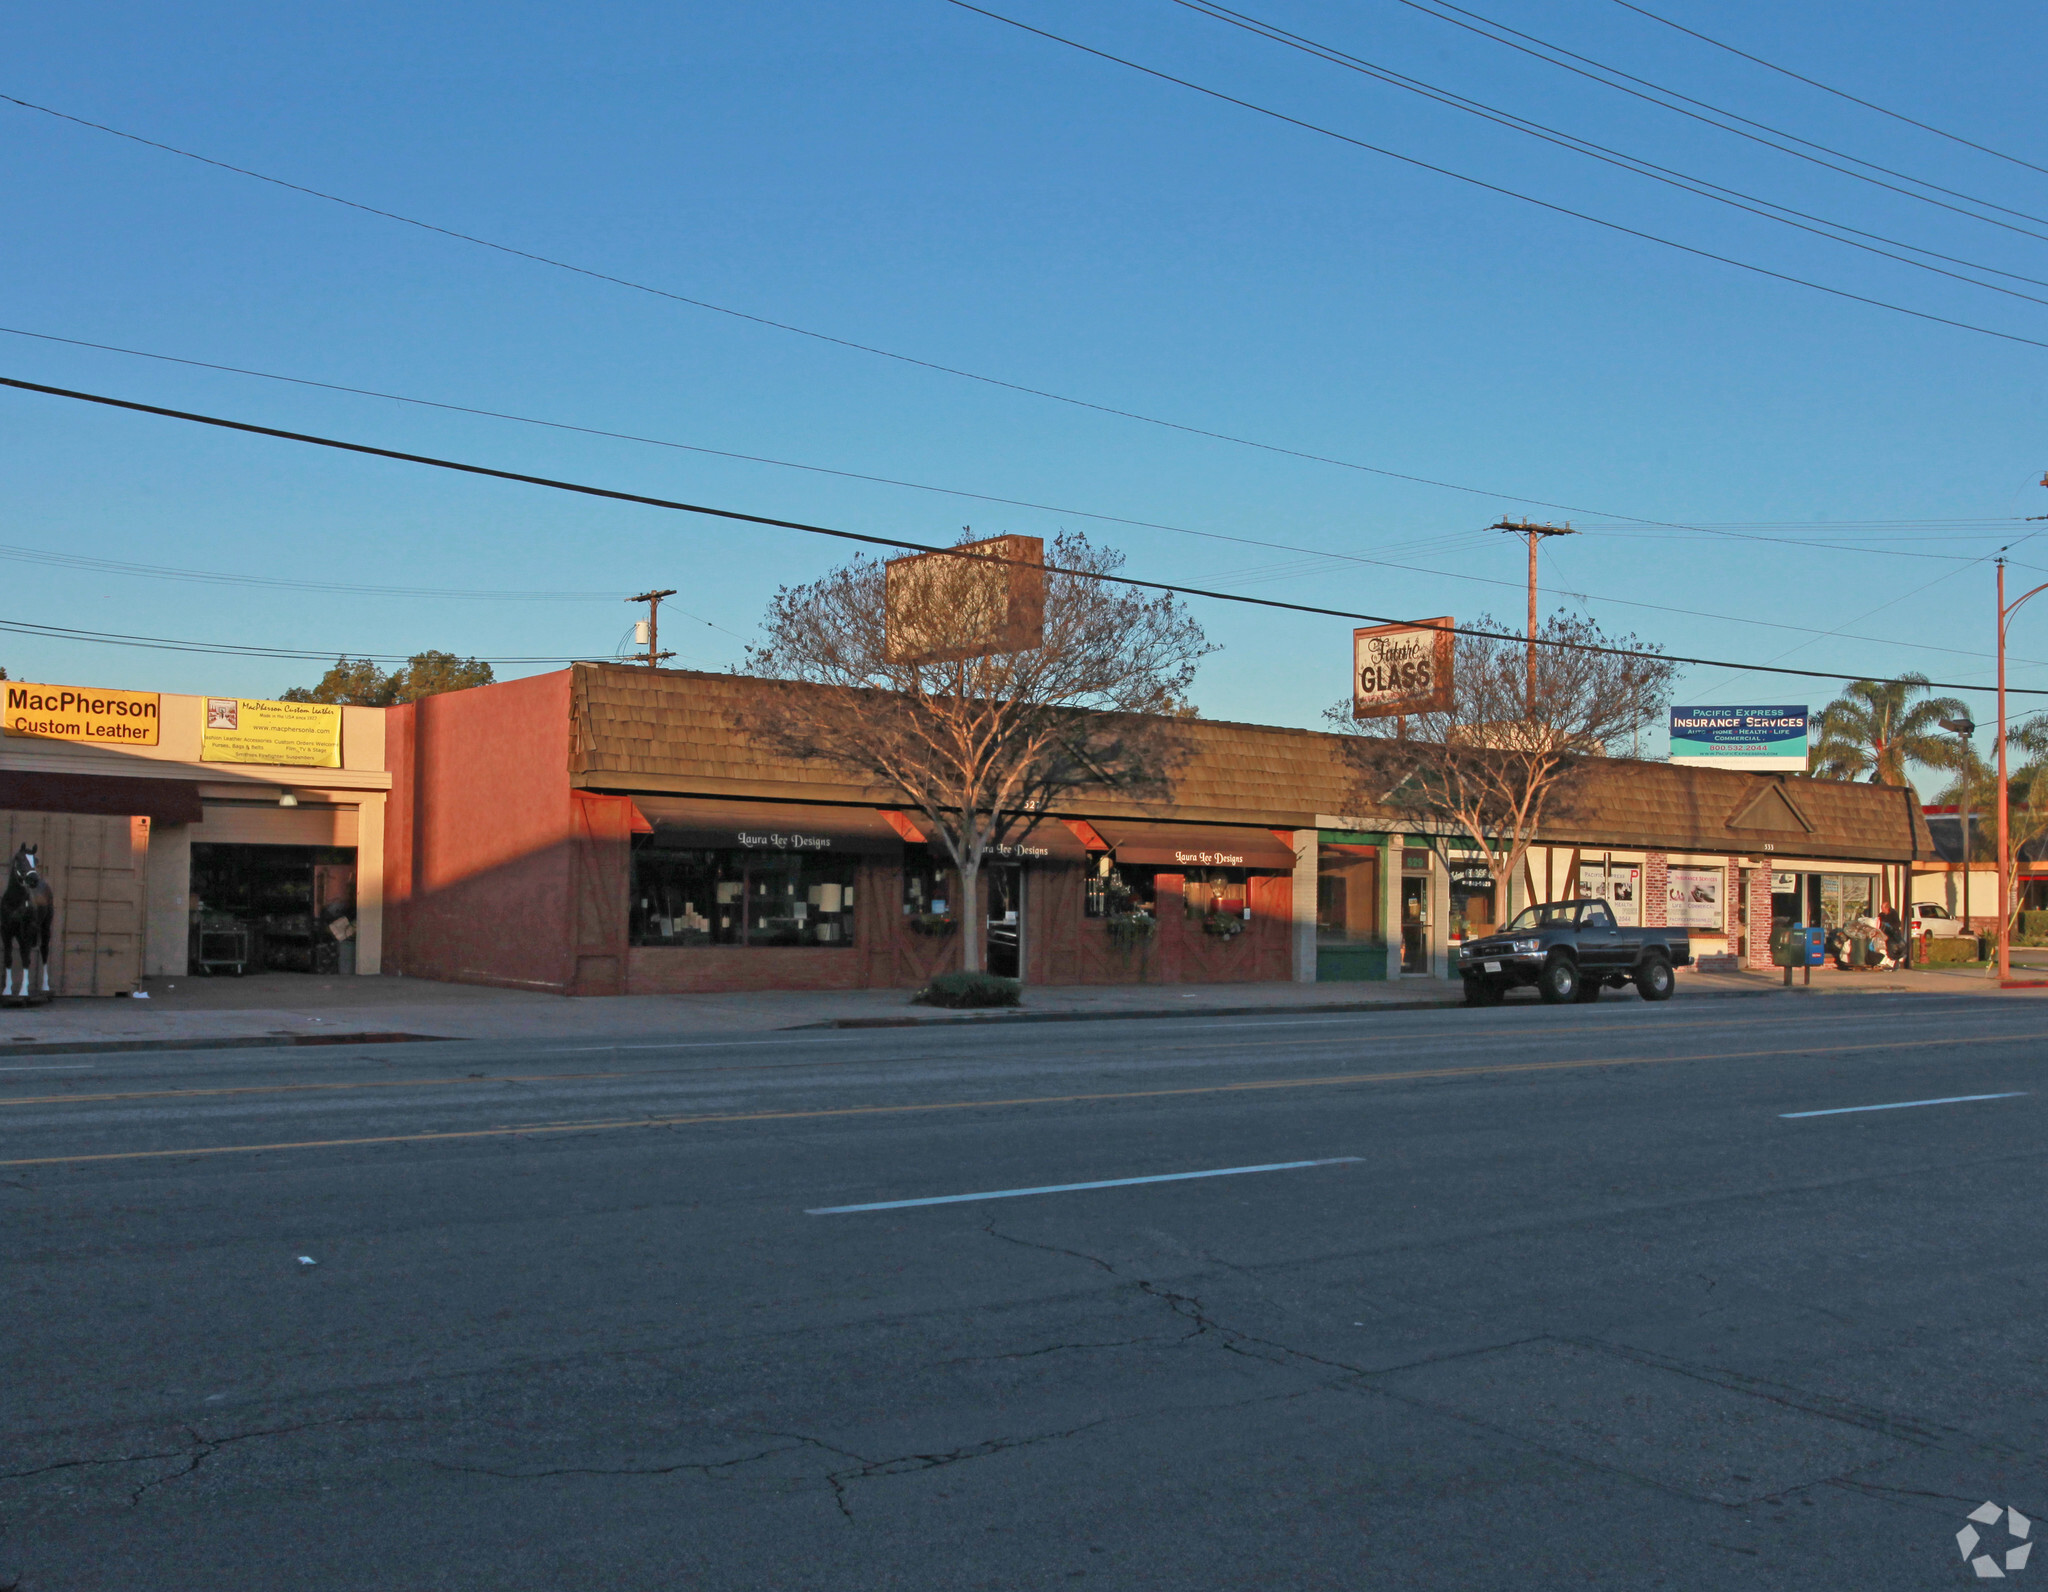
x,y
1930,917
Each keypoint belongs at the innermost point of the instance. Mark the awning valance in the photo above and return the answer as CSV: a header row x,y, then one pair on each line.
x,y
161,801
1199,846
683,823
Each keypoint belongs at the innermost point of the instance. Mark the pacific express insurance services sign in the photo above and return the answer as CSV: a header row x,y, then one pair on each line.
x,y
1763,739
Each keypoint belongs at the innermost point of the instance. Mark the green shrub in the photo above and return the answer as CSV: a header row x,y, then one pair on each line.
x,y
1963,948
2032,928
962,990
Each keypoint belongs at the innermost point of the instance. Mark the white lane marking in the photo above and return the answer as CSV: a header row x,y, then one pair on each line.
x,y
82,1066
1901,1105
1070,1188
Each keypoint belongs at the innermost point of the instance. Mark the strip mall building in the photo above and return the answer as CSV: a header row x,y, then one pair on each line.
x,y
606,830
176,828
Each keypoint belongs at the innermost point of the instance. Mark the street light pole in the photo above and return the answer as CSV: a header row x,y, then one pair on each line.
x,y
2005,612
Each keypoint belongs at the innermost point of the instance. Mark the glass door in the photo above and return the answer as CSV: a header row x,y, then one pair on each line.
x,y
1002,887
1415,924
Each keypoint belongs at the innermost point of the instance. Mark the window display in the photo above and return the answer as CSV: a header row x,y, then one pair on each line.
x,y
1113,892
1694,898
691,897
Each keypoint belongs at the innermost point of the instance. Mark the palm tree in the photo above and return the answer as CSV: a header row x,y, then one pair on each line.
x,y
1876,728
1976,784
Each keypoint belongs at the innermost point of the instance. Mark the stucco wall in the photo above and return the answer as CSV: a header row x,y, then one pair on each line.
x,y
478,857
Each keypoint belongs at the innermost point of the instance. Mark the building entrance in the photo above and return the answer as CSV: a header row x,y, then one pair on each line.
x,y
1002,887
272,909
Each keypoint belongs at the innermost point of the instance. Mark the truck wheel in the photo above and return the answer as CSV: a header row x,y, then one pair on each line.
x,y
1480,992
1655,981
1559,981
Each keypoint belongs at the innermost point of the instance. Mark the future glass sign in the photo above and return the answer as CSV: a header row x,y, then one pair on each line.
x,y
1772,739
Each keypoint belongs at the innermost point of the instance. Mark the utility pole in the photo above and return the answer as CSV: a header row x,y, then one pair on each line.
x,y
651,625
1962,728
1533,533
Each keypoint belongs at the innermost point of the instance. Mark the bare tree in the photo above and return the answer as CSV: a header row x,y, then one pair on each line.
x,y
982,747
1502,761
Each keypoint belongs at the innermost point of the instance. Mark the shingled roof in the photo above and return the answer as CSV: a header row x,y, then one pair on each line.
x,y
673,731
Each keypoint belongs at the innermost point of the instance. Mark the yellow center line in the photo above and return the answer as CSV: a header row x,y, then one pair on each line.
x,y
1301,1042
303,1088
1494,1069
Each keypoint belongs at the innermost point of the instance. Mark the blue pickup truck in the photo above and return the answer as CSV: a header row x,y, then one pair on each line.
x,y
1570,951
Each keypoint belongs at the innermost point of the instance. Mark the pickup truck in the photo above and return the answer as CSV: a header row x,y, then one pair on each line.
x,y
1571,950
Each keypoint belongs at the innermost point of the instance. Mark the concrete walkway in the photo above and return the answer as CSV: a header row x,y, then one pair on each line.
x,y
296,1009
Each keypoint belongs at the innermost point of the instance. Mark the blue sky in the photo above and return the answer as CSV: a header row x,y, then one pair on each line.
x,y
913,176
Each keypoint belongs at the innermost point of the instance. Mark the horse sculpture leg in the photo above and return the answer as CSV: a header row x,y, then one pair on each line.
x,y
7,961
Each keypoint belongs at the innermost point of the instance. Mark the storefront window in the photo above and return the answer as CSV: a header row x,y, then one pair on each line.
x,y
1472,901
1113,892
1214,892
1347,895
740,898
927,891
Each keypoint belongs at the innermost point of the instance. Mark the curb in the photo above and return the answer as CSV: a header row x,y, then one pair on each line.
x,y
90,1047
1451,1004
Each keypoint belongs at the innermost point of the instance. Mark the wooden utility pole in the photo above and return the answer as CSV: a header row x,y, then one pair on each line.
x,y
1533,533
653,656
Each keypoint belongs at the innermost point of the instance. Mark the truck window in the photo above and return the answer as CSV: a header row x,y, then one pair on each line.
x,y
1597,916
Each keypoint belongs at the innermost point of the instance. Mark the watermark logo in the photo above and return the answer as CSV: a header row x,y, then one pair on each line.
x,y
2017,1529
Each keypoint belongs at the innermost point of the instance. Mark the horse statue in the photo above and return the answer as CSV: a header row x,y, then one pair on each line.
x,y
26,907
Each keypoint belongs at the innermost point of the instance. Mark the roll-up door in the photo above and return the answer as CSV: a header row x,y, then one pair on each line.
x,y
93,865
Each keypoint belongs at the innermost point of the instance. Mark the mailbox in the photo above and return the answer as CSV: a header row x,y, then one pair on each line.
x,y
1795,945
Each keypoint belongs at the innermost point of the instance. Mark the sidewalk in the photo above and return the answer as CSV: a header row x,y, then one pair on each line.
x,y
297,1009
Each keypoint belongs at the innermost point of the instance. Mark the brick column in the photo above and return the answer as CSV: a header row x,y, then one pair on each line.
x,y
1760,917
1656,889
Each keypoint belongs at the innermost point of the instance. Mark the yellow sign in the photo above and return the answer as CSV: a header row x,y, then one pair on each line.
x,y
66,713
302,734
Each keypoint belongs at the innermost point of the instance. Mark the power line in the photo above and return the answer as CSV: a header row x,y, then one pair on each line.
x,y
1477,182
1734,198
1437,8
615,495
112,638
1312,557
1786,71
912,360
109,566
1734,530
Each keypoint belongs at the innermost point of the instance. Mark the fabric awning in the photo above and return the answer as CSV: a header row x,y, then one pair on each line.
x,y
685,823
161,801
1199,846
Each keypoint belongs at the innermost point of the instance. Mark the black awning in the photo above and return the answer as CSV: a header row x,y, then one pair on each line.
x,y
161,801
710,824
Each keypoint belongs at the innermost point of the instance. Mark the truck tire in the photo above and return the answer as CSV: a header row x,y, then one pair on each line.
x,y
1559,981
1480,992
1654,979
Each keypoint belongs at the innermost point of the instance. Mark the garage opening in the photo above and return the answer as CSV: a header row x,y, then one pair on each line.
x,y
272,909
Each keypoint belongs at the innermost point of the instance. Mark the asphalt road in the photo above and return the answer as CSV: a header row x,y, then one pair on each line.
x,y
1573,1302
